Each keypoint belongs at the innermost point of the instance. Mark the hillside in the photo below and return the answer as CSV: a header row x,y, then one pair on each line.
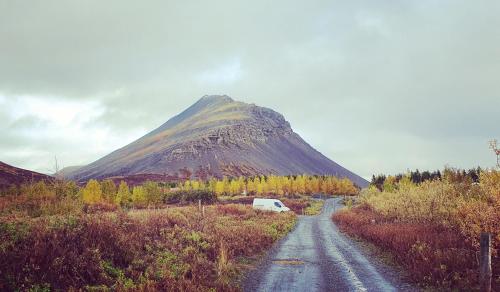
x,y
217,136
10,175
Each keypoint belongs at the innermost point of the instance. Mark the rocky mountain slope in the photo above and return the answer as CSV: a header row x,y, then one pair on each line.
x,y
11,175
217,136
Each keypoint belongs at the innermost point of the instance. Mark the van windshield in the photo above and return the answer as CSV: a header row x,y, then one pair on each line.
x,y
277,204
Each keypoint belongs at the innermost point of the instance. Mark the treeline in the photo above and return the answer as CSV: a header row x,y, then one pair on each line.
x,y
276,185
455,175
106,194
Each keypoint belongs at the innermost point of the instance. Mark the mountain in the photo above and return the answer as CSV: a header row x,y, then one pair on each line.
x,y
11,175
217,136
67,171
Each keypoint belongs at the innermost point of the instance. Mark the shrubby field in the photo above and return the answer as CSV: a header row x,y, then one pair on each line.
x,y
60,236
432,227
177,248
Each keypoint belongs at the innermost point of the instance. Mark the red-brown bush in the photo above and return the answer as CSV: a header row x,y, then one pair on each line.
x,y
433,255
170,249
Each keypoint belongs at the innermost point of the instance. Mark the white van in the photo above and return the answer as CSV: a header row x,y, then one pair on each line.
x,y
269,205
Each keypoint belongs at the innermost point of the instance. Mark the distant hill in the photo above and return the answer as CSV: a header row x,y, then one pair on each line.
x,y
67,171
217,136
11,175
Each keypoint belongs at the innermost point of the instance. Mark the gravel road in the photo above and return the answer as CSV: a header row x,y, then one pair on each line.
x,y
315,256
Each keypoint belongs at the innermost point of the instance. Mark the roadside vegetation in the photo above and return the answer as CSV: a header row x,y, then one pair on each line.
x,y
431,225
66,197
179,249
102,236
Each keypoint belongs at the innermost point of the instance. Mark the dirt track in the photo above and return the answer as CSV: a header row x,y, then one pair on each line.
x,y
315,256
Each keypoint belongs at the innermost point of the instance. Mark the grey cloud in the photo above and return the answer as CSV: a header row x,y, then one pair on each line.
x,y
411,78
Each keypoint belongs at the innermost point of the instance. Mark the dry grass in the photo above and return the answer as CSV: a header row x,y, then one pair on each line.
x,y
170,249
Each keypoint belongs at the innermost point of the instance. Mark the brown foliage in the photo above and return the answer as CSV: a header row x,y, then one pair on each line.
x,y
432,254
169,249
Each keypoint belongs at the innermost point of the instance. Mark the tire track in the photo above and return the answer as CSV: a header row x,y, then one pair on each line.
x,y
315,256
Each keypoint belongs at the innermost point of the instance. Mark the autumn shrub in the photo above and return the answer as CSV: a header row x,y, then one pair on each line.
x,y
437,223
184,196
296,205
173,249
24,205
433,255
99,207
314,208
235,210
246,200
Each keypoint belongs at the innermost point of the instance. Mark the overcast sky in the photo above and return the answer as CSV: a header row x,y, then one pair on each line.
x,y
377,86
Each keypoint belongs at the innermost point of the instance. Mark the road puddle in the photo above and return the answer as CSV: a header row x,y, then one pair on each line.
x,y
288,262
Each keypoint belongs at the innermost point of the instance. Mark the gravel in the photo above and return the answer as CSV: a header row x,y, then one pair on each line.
x,y
315,256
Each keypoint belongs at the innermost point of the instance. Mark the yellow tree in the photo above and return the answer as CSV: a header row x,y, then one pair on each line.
x,y
272,184
225,183
301,184
187,185
251,188
330,182
347,187
233,187
152,192
293,185
123,195
285,185
139,196
315,185
259,186
389,184
264,185
92,192
241,185
211,184
38,190
108,188
195,185
71,190
307,184
219,188
280,185
324,188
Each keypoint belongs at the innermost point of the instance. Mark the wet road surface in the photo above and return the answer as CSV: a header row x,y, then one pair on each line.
x,y
315,256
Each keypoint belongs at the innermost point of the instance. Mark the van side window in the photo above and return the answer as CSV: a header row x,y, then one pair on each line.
x,y
277,204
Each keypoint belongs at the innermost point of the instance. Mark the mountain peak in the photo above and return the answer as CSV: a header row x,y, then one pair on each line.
x,y
217,97
217,136
214,99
